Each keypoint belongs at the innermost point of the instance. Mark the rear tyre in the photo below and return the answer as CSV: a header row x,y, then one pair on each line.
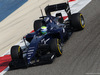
x,y
37,24
55,47
16,52
77,21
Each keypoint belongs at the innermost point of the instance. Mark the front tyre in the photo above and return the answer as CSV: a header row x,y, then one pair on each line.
x,y
77,21
16,52
55,47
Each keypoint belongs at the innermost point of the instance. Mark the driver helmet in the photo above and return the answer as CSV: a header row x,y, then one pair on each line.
x,y
43,29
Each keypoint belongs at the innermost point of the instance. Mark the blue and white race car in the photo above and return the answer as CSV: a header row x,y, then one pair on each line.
x,y
47,41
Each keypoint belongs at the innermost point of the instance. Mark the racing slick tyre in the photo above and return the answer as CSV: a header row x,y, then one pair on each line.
x,y
55,47
77,21
16,52
37,24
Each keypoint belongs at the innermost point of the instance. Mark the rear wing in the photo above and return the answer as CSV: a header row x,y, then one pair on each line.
x,y
57,7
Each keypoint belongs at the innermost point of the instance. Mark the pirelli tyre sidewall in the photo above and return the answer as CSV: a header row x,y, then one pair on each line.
x,y
16,52
77,21
55,47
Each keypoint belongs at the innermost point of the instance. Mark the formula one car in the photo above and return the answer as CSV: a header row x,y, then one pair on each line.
x,y
46,42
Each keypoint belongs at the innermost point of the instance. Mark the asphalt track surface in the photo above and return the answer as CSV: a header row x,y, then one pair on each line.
x,y
81,53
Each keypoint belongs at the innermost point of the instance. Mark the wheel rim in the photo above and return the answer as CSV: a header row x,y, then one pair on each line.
x,y
59,46
82,21
19,51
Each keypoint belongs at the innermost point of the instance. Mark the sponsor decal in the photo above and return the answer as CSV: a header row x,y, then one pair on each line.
x,y
45,41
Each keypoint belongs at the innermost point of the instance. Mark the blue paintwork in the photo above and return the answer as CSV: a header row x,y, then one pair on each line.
x,y
53,28
9,6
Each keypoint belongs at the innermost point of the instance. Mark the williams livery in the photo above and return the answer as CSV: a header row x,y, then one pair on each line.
x,y
46,42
